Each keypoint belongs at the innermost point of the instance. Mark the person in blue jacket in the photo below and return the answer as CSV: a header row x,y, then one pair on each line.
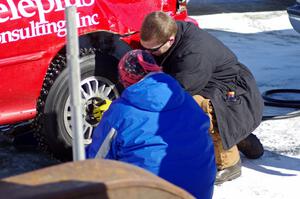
x,y
157,126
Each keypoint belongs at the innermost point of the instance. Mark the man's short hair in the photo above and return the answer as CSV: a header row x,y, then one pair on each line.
x,y
159,26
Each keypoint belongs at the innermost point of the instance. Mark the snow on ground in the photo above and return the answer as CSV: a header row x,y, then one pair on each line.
x,y
267,44
264,41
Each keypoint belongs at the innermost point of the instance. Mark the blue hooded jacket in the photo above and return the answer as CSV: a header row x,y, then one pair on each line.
x,y
157,126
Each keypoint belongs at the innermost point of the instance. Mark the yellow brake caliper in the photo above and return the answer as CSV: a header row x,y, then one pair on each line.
x,y
100,109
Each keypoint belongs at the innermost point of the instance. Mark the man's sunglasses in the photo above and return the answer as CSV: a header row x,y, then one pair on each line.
x,y
151,50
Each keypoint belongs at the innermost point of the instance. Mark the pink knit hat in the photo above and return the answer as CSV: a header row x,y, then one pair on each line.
x,y
134,65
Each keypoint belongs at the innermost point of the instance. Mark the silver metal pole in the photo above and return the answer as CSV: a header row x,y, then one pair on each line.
x,y
74,83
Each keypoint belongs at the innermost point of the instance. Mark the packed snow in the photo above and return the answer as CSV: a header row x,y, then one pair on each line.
x,y
268,45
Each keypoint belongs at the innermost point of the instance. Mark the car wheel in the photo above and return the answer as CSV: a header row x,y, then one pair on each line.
x,y
98,82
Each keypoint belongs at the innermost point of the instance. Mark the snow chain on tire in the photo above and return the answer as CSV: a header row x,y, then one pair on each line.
x,y
56,67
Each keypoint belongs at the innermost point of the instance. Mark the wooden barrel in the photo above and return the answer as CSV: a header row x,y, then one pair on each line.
x,y
89,179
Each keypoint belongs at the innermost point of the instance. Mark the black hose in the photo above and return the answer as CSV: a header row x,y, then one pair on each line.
x,y
269,101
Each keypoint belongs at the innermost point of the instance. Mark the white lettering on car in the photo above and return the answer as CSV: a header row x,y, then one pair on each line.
x,y
40,29
31,8
3,9
42,11
24,8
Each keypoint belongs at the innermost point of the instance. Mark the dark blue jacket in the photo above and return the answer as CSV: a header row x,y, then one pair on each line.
x,y
157,126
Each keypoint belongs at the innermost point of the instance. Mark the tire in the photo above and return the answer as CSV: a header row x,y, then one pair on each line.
x,y
98,81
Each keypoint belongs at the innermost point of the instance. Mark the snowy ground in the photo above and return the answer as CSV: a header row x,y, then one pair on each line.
x,y
267,44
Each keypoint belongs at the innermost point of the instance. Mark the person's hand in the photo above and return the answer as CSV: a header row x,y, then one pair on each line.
x,y
99,110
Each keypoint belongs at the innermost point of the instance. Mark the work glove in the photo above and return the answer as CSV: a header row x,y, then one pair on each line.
x,y
206,106
100,109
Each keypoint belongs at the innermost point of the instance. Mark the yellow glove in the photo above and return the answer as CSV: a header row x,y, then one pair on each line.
x,y
99,110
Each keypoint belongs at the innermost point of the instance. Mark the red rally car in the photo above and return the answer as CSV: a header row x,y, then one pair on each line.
x,y
33,79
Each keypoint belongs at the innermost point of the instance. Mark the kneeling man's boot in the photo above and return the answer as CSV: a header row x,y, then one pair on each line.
x,y
229,173
251,147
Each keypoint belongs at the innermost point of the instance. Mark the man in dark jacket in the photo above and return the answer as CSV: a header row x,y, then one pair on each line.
x,y
142,128
221,85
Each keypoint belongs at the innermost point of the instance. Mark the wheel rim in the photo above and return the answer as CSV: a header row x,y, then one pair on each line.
x,y
92,88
